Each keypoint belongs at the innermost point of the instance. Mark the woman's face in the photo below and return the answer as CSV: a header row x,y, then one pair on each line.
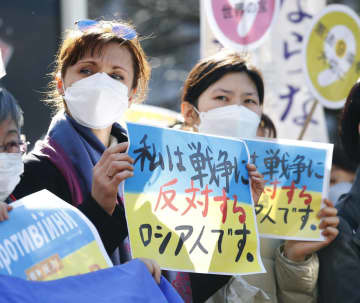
x,y
233,88
114,60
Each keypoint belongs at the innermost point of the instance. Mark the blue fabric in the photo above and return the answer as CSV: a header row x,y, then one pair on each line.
x,y
81,145
130,282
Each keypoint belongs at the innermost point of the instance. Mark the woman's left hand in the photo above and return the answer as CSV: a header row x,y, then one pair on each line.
x,y
4,209
153,268
257,182
298,250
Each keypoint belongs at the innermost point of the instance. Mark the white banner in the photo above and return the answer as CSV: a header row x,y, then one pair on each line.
x,y
2,66
287,97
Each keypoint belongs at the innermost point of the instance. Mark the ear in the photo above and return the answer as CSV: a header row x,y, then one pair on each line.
x,y
59,85
132,96
191,117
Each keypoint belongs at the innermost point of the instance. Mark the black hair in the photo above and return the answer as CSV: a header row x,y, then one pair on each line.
x,y
349,125
341,160
211,69
9,108
267,124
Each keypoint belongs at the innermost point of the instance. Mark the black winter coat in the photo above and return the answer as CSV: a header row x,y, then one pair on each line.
x,y
339,274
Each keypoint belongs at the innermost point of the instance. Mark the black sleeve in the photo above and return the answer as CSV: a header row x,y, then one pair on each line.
x,y
340,267
112,229
340,261
40,173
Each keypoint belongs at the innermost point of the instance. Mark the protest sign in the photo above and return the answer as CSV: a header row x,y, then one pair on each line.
x,y
331,55
297,178
241,24
46,238
189,205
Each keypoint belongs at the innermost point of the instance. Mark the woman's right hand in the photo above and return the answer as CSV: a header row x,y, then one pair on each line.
x,y
298,250
114,166
4,209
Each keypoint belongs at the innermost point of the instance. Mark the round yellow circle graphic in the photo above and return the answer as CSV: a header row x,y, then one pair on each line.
x,y
332,55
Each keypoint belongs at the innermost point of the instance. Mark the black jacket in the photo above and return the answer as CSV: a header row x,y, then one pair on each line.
x,y
340,261
40,173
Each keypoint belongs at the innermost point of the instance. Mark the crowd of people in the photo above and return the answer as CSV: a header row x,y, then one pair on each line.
x,y
100,70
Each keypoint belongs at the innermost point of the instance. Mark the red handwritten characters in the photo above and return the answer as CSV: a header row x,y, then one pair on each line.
x,y
168,196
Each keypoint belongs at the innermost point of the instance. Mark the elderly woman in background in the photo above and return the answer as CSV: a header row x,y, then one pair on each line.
x,y
11,149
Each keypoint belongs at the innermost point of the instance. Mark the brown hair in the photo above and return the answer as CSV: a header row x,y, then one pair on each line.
x,y
211,69
77,43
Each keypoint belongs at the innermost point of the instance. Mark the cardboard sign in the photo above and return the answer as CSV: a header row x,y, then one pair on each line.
x,y
189,205
297,178
46,238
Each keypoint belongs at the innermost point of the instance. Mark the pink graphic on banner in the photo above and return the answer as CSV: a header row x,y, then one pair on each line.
x,y
242,23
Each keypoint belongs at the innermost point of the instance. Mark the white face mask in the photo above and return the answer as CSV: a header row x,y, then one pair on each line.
x,y
11,168
234,121
97,101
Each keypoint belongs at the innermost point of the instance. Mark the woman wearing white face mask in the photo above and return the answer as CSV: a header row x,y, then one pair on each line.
x,y
223,95
11,147
100,69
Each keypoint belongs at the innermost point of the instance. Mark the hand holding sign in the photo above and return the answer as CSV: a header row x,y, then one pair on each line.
x,y
113,167
257,182
4,209
298,250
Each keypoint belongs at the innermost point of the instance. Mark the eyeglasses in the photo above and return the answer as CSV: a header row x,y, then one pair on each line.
x,y
14,147
120,30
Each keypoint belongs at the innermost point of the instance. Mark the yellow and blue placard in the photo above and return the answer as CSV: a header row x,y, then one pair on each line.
x,y
189,205
296,175
46,238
